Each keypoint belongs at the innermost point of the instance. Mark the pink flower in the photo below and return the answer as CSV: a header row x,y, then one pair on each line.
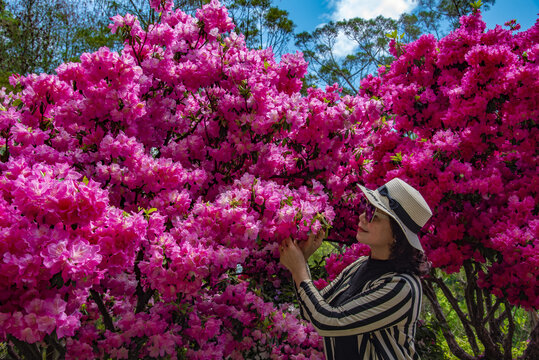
x,y
215,18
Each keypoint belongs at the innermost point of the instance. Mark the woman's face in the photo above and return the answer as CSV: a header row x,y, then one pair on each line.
x,y
377,234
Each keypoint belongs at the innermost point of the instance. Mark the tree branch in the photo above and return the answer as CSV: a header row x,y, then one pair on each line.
x,y
428,290
474,308
491,349
508,339
142,296
462,317
490,318
107,320
456,8
491,311
28,351
11,353
61,350
532,351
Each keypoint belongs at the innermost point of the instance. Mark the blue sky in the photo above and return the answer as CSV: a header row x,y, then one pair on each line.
x,y
308,14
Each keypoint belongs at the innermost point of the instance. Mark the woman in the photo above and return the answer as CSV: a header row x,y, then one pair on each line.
x,y
371,309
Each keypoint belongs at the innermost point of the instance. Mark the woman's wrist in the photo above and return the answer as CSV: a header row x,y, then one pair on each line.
x,y
300,275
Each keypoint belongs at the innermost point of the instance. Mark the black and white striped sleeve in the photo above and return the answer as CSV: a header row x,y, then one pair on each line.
x,y
386,304
329,289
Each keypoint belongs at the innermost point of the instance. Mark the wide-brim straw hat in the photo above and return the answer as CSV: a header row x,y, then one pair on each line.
x,y
404,204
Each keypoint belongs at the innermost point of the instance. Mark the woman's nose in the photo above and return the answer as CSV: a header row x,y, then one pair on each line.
x,y
362,217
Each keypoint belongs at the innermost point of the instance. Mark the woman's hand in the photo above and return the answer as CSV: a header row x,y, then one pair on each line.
x,y
312,243
293,259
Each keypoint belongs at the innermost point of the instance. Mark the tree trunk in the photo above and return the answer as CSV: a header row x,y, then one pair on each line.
x,y
532,352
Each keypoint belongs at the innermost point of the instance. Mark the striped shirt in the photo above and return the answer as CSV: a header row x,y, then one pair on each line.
x,y
379,322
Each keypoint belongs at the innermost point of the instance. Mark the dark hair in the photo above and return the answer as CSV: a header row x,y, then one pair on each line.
x,y
405,257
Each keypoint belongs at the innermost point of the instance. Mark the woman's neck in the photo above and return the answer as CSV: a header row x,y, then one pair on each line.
x,y
380,253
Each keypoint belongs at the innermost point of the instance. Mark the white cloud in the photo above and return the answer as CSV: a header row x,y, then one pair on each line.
x,y
343,46
369,9
366,9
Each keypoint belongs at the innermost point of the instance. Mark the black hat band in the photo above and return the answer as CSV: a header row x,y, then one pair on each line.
x,y
399,210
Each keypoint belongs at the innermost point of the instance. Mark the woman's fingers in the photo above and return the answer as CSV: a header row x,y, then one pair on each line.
x,y
306,247
304,244
287,245
284,244
320,236
291,255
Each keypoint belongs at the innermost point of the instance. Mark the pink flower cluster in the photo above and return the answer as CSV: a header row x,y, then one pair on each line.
x,y
143,194
215,321
138,188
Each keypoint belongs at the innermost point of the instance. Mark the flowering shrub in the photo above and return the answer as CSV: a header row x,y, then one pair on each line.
x,y
144,193
136,185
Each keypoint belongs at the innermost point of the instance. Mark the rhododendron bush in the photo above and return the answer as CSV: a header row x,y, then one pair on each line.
x,y
144,193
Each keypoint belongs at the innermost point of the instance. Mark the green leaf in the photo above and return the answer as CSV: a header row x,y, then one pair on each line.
x,y
57,280
397,157
266,64
392,35
3,150
287,201
85,180
476,5
324,221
